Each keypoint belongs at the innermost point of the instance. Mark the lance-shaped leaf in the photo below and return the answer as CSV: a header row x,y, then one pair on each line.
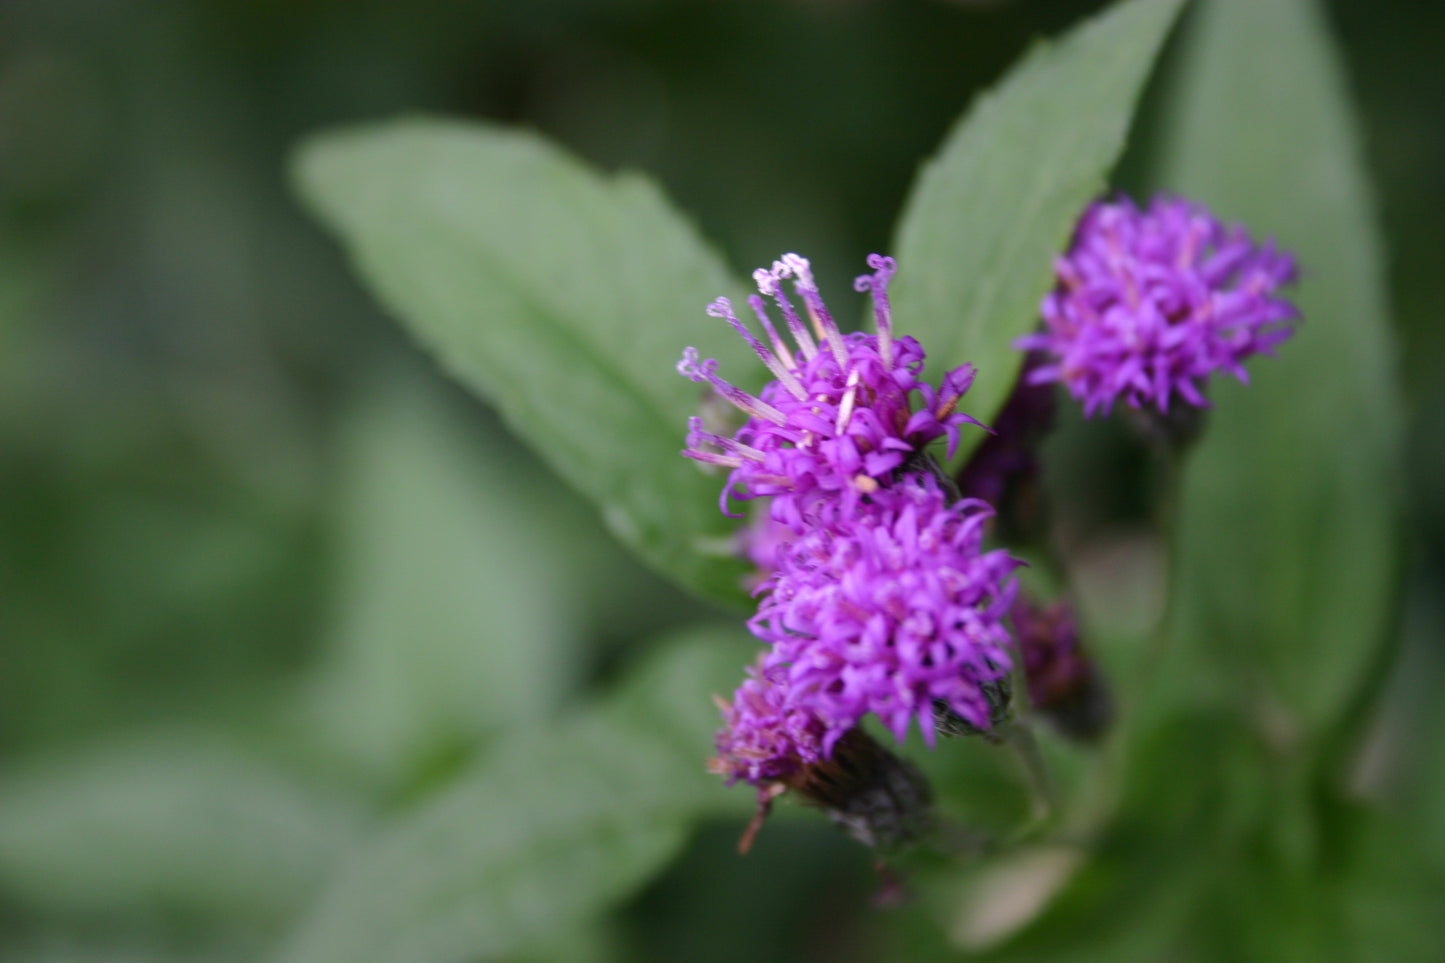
x,y
552,828
987,216
1289,508
561,295
454,617
176,820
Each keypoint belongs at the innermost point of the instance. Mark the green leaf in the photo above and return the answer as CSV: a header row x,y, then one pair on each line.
x,y
454,617
595,941
553,827
180,821
562,296
1289,510
987,216
65,950
1193,797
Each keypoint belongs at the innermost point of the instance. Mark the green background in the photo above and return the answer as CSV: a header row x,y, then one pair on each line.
x,y
271,586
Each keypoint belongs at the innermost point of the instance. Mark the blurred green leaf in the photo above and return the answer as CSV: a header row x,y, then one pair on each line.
x,y
552,827
454,617
1288,514
1390,898
594,941
1220,850
563,296
986,217
67,951
180,821
1194,795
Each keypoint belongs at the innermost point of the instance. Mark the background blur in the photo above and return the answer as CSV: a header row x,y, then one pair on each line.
x,y
236,503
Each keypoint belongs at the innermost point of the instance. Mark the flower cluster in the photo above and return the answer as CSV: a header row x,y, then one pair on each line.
x,y
1150,303
893,610
765,738
874,796
878,596
839,415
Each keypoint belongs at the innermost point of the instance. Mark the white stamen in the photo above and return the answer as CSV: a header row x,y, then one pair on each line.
x,y
845,409
767,283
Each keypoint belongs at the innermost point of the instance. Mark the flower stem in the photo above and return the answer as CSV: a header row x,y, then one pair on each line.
x,y
1019,737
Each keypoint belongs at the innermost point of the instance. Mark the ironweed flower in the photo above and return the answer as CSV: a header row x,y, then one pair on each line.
x,y
765,739
878,799
891,608
1150,303
759,542
842,413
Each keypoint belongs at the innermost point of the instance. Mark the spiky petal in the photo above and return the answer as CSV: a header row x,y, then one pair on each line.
x,y
1149,304
889,609
843,411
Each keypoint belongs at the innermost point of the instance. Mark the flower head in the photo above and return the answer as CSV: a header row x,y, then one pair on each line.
x,y
760,542
890,607
1150,303
842,411
764,738
775,745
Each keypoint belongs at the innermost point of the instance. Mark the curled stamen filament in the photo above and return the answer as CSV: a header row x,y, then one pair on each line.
x,y
823,324
722,308
768,284
706,372
884,268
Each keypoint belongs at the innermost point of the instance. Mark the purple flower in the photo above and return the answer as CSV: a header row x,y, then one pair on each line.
x,y
1150,303
765,739
839,415
759,542
890,607
769,741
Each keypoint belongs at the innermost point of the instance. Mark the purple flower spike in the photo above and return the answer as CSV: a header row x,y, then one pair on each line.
x,y
843,411
1149,304
889,608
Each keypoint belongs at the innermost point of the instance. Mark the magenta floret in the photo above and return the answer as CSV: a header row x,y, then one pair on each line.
x,y
840,413
1150,303
890,608
765,737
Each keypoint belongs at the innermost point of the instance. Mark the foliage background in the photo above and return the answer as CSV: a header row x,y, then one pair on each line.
x,y
249,537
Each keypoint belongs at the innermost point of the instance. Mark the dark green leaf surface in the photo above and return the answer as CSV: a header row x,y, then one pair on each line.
x,y
552,828
1288,513
562,296
987,216
1221,853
